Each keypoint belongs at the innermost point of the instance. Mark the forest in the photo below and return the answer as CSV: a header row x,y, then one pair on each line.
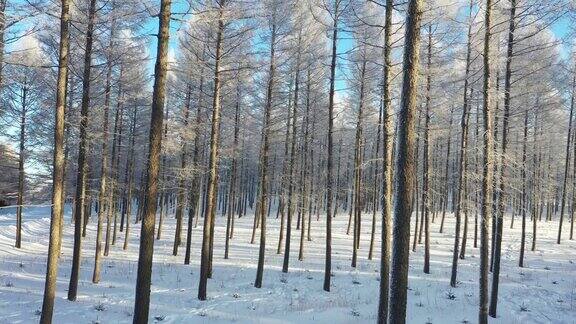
x,y
287,161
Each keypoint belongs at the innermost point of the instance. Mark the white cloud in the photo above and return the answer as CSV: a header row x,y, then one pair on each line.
x,y
26,50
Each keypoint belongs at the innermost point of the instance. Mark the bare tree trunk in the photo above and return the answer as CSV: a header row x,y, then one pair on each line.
x,y
264,155
272,188
329,189
375,178
181,198
495,185
21,174
337,194
116,153
143,279
130,173
213,160
537,182
445,195
306,174
232,199
426,167
291,170
466,209
256,223
524,193
502,195
462,159
358,146
194,192
163,194
573,204
486,209
566,160
352,199
2,32
88,205
82,151
405,166
422,209
58,172
415,200
106,198
477,200
282,203
70,98
388,128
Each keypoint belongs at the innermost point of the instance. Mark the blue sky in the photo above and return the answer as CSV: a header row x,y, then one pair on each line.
x,y
560,29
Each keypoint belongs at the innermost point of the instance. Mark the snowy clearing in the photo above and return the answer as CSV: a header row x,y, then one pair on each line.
x,y
542,292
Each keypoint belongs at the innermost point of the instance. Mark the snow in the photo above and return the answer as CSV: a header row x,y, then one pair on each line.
x,y
544,291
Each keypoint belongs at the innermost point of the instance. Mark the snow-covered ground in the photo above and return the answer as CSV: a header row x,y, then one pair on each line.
x,y
544,291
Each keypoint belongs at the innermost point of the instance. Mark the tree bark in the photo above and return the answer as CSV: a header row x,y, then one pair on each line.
x,y
130,173
375,179
445,196
415,200
462,159
426,201
58,170
82,151
524,192
264,156
21,157
537,182
2,32
405,166
103,205
566,160
503,165
212,185
388,128
329,189
194,192
163,193
358,146
232,183
143,279
181,199
283,184
487,168
291,168
116,153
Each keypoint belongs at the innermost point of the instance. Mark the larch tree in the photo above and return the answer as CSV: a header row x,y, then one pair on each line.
x,y
22,104
339,6
502,165
387,130
426,199
277,123
404,166
58,168
2,33
292,193
210,209
143,280
264,154
194,195
567,159
487,168
181,195
462,152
